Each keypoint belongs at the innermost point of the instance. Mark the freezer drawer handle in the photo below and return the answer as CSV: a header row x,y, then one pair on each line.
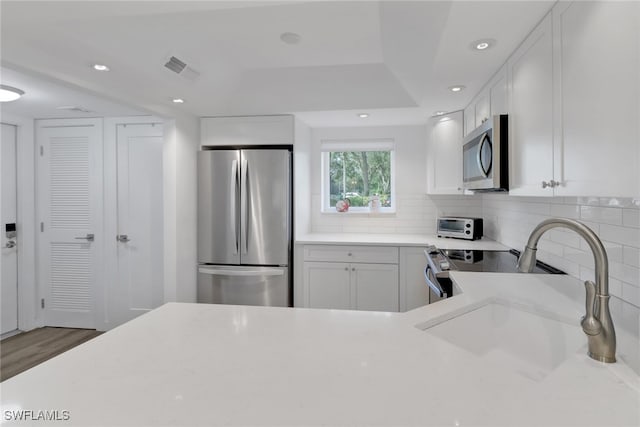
x,y
225,272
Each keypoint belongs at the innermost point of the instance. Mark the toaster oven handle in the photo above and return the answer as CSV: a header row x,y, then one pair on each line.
x,y
433,284
483,170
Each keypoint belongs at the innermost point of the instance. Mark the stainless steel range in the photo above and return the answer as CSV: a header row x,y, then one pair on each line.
x,y
441,261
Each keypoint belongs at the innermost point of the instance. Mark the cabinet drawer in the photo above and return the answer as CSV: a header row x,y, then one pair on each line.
x,y
339,253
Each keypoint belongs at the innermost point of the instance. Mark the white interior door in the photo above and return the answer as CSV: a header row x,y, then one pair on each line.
x,y
140,249
69,204
9,256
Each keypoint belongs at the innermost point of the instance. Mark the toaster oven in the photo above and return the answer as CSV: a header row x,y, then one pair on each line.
x,y
460,228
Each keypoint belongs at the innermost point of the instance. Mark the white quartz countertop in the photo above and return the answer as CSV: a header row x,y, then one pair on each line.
x,y
205,365
398,240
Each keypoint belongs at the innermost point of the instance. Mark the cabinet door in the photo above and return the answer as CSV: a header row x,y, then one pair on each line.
x,y
597,50
327,285
469,118
483,108
498,92
531,113
444,175
375,287
250,130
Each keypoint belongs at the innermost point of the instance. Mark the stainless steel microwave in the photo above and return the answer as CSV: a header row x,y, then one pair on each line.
x,y
485,156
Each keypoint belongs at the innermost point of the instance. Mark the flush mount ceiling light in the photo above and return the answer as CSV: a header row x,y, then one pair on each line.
x,y
9,93
290,38
482,44
439,113
456,89
177,101
100,67
363,115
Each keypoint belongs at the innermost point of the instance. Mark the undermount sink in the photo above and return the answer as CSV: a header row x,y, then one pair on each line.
x,y
520,340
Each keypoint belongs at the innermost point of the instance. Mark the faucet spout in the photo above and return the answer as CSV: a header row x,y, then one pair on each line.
x,y
597,322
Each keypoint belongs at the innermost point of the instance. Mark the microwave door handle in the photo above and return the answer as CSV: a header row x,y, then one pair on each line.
x,y
437,289
483,140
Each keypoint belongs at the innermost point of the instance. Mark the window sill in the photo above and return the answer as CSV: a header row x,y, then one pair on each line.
x,y
361,213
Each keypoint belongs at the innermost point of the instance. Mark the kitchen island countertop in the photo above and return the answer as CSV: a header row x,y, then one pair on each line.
x,y
199,364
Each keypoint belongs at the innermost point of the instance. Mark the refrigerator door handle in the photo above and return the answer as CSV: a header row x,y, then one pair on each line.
x,y
227,272
234,201
245,204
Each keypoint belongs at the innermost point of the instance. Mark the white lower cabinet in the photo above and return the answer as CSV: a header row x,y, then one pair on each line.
x,y
327,285
375,286
332,283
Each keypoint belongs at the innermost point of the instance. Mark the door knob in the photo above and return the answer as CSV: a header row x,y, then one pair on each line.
x,y
90,237
10,244
122,238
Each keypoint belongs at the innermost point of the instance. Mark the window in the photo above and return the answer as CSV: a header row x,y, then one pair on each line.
x,y
358,171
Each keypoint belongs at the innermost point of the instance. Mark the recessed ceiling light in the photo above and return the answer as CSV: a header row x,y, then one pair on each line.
x,y
363,115
482,44
290,38
178,101
100,67
445,119
10,93
439,113
457,88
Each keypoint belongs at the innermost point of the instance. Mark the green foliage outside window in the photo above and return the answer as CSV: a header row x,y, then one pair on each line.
x,y
359,175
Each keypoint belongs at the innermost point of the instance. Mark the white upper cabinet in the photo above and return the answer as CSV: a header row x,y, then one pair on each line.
x,y
469,118
530,70
250,130
491,100
444,173
498,92
597,139
483,107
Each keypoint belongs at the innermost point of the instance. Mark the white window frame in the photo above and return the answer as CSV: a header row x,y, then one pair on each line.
x,y
369,144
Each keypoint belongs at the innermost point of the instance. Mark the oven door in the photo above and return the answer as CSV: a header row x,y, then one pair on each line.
x,y
439,287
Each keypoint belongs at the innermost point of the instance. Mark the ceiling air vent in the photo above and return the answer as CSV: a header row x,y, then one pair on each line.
x,y
181,68
74,109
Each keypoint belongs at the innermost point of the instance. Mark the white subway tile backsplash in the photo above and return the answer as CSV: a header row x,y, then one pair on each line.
x,y
631,256
615,287
631,218
625,273
565,211
625,235
601,215
631,294
510,220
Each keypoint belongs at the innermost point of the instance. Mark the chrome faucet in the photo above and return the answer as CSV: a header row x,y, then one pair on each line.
x,y
597,322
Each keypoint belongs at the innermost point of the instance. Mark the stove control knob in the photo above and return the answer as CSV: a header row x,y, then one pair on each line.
x,y
444,265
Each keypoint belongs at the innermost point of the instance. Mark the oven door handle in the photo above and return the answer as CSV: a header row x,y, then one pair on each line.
x,y
433,284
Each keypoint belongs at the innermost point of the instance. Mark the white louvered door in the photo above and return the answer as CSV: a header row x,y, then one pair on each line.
x,y
69,205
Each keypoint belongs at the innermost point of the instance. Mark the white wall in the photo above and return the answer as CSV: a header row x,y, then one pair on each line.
x,y
510,219
302,177
182,142
416,212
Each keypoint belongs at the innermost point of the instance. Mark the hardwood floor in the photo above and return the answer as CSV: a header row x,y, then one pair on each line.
x,y
26,350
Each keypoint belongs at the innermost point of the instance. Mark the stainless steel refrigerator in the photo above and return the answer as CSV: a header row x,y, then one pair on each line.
x,y
244,226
